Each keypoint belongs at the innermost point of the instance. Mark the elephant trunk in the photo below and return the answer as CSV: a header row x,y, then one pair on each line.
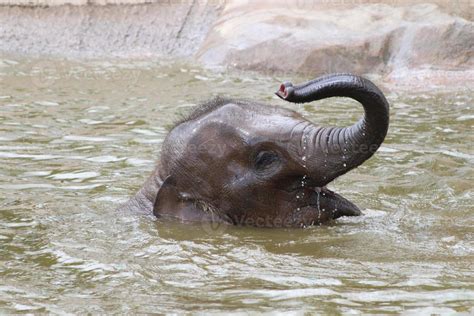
x,y
330,152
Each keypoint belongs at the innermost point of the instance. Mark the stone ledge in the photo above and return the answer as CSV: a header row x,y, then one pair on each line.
x,y
385,38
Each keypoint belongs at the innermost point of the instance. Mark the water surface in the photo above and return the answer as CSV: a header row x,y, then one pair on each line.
x,y
78,138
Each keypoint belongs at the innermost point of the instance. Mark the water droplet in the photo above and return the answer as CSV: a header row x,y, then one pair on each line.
x,y
318,203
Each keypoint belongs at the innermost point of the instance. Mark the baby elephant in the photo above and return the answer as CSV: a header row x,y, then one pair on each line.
x,y
246,163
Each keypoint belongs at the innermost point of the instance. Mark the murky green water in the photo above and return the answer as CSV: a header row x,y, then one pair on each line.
x,y
76,139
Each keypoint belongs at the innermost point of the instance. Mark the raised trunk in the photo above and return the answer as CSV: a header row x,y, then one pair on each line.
x,y
333,151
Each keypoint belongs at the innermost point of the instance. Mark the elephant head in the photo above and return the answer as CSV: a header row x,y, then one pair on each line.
x,y
247,163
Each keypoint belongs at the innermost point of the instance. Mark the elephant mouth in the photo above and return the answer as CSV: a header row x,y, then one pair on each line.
x,y
334,203
323,205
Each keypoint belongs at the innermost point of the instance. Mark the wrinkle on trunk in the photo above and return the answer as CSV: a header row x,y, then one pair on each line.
x,y
333,151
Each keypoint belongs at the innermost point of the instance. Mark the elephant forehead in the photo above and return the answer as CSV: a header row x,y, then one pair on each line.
x,y
251,121
231,130
213,140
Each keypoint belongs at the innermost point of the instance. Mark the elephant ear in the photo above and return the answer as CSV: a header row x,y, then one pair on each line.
x,y
170,202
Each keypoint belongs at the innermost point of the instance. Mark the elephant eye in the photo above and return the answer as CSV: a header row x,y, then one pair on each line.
x,y
265,159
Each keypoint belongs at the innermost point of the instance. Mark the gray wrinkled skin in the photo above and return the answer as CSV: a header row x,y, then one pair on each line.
x,y
245,163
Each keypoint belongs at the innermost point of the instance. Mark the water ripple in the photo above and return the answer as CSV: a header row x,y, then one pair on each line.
x,y
70,153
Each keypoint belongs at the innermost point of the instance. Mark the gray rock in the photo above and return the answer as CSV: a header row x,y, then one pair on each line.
x,y
168,28
370,38
396,40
